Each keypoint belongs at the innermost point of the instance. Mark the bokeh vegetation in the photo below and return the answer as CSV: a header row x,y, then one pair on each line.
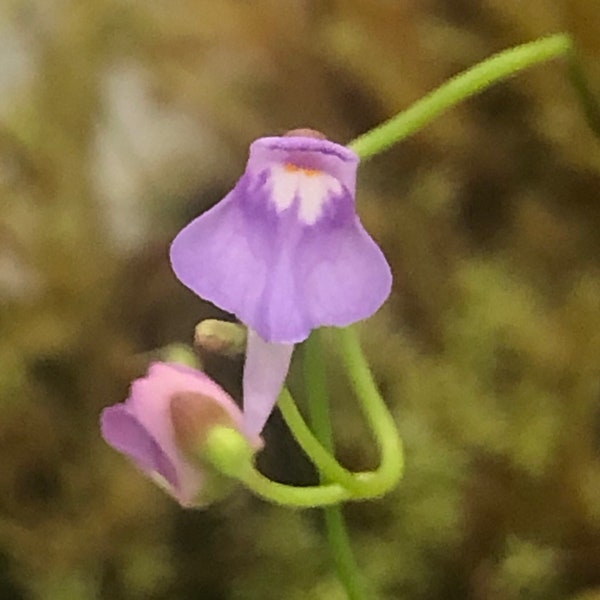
x,y
121,120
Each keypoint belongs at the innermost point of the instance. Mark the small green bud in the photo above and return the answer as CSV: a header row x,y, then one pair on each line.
x,y
180,354
221,337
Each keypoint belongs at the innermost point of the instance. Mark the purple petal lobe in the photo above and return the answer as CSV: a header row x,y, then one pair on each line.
x,y
265,370
224,257
343,274
126,434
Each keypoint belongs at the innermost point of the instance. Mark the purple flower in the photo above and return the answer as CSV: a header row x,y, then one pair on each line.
x,y
164,420
286,253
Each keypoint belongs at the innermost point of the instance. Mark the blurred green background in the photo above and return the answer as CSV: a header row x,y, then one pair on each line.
x,y
120,120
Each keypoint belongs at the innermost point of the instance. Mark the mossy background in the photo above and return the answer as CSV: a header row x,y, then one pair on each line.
x,y
120,120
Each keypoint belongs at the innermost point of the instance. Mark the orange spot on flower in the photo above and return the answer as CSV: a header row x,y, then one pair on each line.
x,y
292,168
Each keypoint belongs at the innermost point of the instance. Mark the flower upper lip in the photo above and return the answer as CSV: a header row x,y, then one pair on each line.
x,y
311,145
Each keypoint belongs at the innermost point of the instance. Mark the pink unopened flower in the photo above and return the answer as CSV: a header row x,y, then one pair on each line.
x,y
285,252
163,423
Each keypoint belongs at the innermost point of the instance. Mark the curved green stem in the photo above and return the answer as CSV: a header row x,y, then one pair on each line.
x,y
360,483
293,496
325,462
318,403
374,484
377,414
364,484
462,86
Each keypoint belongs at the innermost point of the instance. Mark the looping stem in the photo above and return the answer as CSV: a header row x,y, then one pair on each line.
x,y
312,447
342,485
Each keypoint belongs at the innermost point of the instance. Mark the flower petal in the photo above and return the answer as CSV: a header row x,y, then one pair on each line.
x,y
127,435
150,399
223,256
343,275
265,371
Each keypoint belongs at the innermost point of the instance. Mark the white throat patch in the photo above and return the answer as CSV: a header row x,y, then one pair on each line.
x,y
313,189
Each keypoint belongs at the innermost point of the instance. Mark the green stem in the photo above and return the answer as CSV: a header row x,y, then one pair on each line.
x,y
324,460
462,86
293,496
316,384
343,557
377,414
318,402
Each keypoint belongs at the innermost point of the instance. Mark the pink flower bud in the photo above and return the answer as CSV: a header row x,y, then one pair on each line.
x,y
163,424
